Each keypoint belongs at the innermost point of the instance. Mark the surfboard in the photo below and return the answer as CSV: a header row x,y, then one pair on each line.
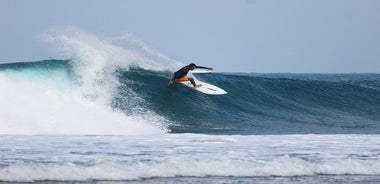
x,y
205,88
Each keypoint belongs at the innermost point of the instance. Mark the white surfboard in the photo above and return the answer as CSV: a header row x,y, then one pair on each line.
x,y
205,88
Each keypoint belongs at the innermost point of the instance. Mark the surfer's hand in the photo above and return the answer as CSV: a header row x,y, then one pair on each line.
x,y
170,82
210,68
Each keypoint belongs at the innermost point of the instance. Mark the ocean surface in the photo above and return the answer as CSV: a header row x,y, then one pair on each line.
x,y
107,115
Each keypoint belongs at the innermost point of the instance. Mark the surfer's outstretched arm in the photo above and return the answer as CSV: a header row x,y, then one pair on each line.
x,y
203,67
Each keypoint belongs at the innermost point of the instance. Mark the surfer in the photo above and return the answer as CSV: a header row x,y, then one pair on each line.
x,y
180,75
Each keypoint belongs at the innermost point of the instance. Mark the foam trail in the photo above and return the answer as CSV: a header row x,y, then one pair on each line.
x,y
189,155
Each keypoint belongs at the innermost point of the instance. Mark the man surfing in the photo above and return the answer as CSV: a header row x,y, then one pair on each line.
x,y
180,75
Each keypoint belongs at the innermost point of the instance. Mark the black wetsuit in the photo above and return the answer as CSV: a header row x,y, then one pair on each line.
x,y
183,71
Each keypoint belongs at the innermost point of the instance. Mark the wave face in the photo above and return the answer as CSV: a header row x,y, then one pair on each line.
x,y
266,104
50,92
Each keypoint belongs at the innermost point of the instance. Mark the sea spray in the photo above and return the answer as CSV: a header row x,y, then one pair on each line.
x,y
76,99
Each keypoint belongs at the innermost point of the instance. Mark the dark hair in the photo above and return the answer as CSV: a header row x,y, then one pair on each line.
x,y
192,64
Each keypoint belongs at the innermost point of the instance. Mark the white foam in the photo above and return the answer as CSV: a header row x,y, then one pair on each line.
x,y
168,155
79,103
40,107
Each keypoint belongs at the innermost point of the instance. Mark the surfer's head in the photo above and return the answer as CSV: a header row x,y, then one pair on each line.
x,y
192,66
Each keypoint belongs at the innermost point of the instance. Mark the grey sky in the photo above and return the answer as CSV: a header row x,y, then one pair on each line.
x,y
230,35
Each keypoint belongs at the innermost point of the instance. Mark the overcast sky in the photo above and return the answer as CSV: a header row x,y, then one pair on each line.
x,y
303,36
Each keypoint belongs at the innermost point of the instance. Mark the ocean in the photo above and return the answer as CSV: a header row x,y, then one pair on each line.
x,y
107,115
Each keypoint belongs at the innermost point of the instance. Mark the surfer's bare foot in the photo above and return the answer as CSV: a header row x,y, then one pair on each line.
x,y
198,85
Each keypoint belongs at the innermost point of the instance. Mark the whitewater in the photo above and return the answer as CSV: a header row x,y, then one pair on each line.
x,y
106,114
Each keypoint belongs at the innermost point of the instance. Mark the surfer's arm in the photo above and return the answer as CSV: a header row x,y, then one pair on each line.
x,y
173,79
202,67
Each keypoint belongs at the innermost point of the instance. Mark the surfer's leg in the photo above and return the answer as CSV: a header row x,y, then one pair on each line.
x,y
193,83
